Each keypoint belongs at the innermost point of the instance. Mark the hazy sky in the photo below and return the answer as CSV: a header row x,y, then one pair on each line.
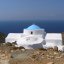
x,y
31,9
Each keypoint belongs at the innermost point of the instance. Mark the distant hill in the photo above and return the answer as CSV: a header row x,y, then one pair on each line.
x,y
2,37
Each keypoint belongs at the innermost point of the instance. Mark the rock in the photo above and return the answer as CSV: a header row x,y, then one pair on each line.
x,y
12,50
15,48
63,48
55,48
36,53
0,51
12,56
50,48
3,55
50,63
42,57
6,57
47,55
16,45
42,54
23,50
55,53
58,57
62,55
34,56
52,57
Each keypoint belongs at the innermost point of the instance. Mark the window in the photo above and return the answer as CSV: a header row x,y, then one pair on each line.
x,y
31,32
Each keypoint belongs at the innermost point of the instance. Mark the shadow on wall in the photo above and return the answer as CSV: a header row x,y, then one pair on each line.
x,y
34,46
40,45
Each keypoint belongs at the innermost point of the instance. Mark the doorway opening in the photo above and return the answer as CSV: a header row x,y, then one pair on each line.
x,y
31,32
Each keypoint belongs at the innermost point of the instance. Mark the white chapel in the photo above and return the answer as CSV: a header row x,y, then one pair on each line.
x,y
36,37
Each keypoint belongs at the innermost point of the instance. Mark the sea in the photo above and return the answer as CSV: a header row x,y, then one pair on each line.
x,y
52,26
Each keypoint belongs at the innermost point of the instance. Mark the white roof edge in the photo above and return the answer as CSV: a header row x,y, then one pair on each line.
x,y
53,33
11,34
54,36
14,33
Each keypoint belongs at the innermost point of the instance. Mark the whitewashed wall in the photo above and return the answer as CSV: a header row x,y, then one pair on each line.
x,y
35,32
52,43
10,40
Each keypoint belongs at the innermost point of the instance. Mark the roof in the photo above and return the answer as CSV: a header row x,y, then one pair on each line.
x,y
14,35
33,27
54,36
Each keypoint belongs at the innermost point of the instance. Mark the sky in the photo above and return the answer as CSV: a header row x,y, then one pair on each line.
x,y
31,10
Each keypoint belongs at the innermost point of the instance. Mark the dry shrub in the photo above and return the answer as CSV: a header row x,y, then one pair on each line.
x,y
42,49
8,44
51,49
21,47
14,43
34,56
14,48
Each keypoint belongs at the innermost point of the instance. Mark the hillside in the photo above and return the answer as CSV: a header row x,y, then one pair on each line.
x,y
14,55
9,54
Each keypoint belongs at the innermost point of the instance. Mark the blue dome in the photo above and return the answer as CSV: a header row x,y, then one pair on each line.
x,y
33,27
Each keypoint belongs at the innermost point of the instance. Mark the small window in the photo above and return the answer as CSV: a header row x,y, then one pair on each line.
x,y
31,32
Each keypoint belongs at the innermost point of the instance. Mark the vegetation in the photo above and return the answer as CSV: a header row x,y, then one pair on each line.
x,y
8,44
2,37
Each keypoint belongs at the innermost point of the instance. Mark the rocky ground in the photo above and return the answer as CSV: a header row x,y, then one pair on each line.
x,y
14,55
37,57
